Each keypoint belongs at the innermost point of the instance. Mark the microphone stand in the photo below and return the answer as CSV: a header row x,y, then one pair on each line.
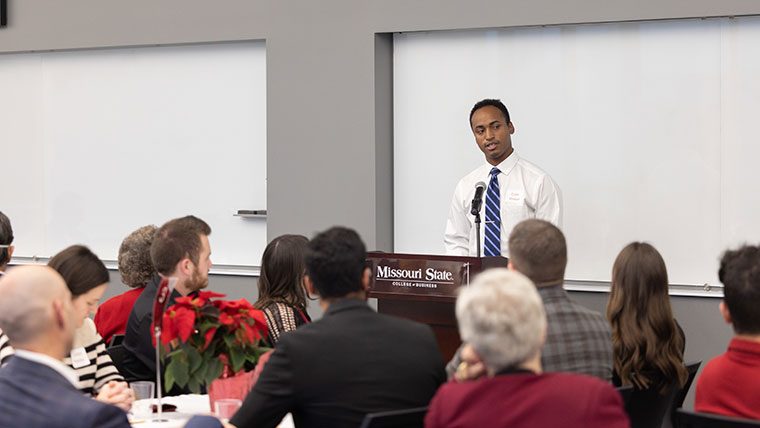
x,y
159,406
477,231
477,203
165,289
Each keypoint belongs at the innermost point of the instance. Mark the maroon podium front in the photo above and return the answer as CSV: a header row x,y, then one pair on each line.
x,y
424,288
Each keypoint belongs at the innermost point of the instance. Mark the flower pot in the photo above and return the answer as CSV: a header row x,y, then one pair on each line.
x,y
236,386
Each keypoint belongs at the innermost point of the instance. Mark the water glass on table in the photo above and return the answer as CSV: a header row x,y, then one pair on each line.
x,y
225,408
143,405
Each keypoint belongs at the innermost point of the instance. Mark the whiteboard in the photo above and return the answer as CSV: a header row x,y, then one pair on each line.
x,y
100,142
648,128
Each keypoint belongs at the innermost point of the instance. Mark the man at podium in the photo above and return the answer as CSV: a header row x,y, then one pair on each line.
x,y
509,189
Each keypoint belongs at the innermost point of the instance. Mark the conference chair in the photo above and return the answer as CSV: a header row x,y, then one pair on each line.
x,y
650,409
687,419
117,353
692,368
116,339
407,418
625,394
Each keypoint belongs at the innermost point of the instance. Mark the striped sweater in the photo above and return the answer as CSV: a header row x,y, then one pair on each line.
x,y
93,376
5,348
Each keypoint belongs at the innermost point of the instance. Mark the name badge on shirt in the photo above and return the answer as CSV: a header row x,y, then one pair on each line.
x,y
79,358
515,197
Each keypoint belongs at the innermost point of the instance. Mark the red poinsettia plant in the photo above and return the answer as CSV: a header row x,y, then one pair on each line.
x,y
203,337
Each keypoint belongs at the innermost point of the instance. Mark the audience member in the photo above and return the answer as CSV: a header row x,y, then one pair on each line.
x,y
502,321
351,362
730,383
282,293
87,278
578,340
181,250
648,342
6,251
37,389
6,241
136,269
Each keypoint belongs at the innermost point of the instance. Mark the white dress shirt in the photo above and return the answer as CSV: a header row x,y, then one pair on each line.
x,y
526,191
51,362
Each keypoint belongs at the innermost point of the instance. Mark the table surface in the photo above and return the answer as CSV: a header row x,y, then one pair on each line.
x,y
187,406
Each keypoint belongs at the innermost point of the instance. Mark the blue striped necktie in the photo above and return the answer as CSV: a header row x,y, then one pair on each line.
x,y
492,241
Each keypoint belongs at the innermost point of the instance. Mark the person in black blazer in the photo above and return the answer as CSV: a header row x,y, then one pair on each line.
x,y
353,361
37,389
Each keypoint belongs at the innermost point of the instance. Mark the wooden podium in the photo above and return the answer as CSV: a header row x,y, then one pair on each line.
x,y
424,288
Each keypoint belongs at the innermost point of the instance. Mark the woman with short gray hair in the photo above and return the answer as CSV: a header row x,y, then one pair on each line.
x,y
136,269
503,324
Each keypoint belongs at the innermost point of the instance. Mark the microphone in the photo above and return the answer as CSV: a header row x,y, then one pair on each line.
x,y
477,201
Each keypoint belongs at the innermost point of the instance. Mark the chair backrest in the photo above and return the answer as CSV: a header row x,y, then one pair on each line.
x,y
116,339
117,353
647,408
407,418
686,419
625,393
692,368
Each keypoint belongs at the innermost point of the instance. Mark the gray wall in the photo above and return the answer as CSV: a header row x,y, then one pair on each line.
x,y
329,92
328,87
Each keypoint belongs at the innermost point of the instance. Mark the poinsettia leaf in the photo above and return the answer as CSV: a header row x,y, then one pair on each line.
x,y
177,352
201,372
261,350
206,324
194,385
211,311
169,377
229,341
180,371
194,358
237,359
209,294
215,369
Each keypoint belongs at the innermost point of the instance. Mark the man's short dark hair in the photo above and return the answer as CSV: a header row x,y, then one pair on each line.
x,y
335,262
538,250
740,274
175,240
6,238
490,102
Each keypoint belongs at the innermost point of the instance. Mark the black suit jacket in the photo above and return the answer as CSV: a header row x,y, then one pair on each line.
x,y
33,395
351,362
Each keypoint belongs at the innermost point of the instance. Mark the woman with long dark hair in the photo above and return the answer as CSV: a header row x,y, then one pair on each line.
x,y
648,343
282,293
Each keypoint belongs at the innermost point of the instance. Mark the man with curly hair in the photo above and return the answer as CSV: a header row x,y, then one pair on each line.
x,y
730,383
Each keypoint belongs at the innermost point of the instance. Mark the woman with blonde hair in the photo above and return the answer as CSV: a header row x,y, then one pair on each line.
x,y
648,343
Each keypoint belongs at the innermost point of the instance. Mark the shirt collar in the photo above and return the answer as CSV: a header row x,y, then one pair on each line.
x,y
744,346
551,291
46,360
513,370
505,166
341,304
